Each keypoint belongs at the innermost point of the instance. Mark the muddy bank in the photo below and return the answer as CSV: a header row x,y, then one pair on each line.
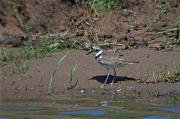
x,y
132,25
90,75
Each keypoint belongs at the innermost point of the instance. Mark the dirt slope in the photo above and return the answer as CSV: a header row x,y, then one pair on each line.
x,y
131,25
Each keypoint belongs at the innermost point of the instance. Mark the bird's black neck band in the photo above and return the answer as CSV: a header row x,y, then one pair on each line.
x,y
97,57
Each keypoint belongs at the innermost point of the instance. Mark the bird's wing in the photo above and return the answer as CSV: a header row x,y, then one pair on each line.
x,y
114,61
109,61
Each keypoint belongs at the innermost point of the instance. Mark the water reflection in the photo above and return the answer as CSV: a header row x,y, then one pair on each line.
x,y
20,107
85,106
156,117
171,109
89,112
1,117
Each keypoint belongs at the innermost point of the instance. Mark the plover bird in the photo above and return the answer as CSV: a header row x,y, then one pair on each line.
x,y
109,62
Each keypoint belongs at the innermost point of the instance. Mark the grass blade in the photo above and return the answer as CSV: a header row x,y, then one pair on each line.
x,y
71,77
53,74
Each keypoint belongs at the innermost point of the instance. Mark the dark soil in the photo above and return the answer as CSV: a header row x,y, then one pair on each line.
x,y
129,25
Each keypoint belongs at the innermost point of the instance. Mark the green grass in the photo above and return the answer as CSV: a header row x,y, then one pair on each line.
x,y
48,43
25,53
19,68
164,76
98,6
172,36
50,86
5,54
28,27
162,9
72,81
55,42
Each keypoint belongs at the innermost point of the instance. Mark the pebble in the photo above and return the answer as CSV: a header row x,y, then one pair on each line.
x,y
130,87
104,103
82,90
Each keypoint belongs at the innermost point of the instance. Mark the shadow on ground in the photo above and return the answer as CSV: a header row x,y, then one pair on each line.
x,y
102,78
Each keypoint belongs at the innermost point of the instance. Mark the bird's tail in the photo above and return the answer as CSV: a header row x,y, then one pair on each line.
x,y
123,61
132,62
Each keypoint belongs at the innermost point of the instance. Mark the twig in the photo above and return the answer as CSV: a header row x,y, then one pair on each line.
x,y
115,44
166,31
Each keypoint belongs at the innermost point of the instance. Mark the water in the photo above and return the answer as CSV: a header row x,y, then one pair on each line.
x,y
1,117
171,109
156,117
20,107
83,106
89,112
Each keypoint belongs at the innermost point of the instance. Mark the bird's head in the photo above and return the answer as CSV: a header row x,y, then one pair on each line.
x,y
95,50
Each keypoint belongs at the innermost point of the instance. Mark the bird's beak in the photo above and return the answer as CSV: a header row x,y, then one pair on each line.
x,y
89,52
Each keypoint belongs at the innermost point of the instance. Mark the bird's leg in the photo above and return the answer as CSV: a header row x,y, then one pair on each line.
x,y
114,77
106,79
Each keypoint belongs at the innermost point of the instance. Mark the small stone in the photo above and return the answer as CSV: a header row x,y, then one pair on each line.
x,y
19,96
93,91
31,88
104,103
118,90
129,87
82,90
55,45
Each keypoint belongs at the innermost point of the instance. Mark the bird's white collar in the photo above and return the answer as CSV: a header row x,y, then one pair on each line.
x,y
99,53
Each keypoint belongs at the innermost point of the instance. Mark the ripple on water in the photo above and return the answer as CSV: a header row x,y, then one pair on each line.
x,y
20,107
156,117
90,112
171,109
1,117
